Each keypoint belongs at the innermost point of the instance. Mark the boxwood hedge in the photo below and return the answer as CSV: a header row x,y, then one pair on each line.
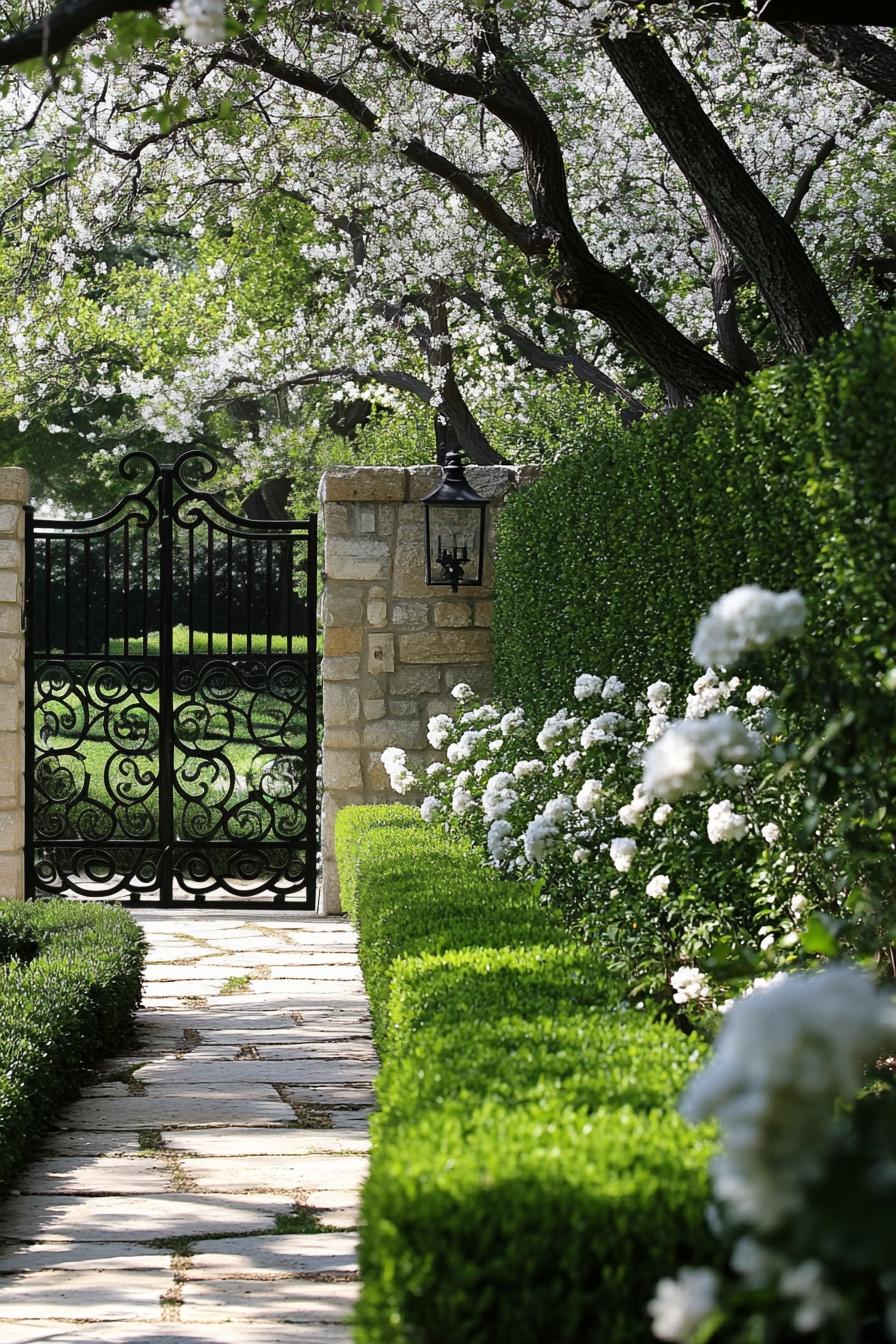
x,y
70,977
530,1178
606,562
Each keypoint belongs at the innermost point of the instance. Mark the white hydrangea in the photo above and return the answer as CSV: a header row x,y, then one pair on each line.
x,y
430,808
601,729
681,1305
589,796
679,761
500,840
541,836
463,748
659,694
783,1058
657,886
514,718
690,985
748,617
759,695
771,833
657,725
484,714
723,823
524,769
461,801
558,808
707,695
438,730
613,688
395,764
580,854
798,905
587,686
462,692
622,853
437,768
481,767
499,796
555,726
632,814
662,814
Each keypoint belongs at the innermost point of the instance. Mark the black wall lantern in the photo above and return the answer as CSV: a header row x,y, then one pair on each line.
x,y
454,519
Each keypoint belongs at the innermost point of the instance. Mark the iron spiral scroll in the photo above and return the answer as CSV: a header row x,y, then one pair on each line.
x,y
172,691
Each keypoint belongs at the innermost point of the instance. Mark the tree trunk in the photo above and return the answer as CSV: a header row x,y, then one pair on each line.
x,y
791,287
850,50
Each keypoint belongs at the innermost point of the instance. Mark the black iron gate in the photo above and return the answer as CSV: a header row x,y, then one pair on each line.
x,y
171,684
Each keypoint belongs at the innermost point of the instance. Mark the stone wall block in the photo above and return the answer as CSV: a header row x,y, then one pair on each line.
x,y
410,614
456,613
483,613
342,639
446,646
9,586
345,668
354,558
371,484
10,660
374,709
408,734
342,704
9,520
414,680
342,605
342,770
335,520
10,555
13,485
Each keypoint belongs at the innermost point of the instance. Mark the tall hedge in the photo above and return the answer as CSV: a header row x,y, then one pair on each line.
x,y
606,563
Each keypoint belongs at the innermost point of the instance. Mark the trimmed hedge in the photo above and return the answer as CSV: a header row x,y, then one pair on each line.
x,y
70,979
606,563
530,1178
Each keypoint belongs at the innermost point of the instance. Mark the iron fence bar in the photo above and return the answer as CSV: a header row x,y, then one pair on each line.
x,y
28,618
166,685
311,702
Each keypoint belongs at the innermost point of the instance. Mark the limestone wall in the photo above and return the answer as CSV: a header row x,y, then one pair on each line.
x,y
393,647
13,496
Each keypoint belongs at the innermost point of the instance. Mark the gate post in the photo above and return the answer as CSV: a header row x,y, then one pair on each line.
x,y
393,647
13,498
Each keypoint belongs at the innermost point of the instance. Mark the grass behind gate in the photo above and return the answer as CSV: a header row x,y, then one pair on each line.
x,y
70,978
530,1178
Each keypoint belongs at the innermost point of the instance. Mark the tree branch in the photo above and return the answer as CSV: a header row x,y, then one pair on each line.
x,y
54,32
849,50
791,287
724,283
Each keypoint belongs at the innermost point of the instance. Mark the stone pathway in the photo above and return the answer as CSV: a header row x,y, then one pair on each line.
x,y
205,1188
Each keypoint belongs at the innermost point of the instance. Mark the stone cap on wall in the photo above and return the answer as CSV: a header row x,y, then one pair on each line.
x,y
14,485
402,485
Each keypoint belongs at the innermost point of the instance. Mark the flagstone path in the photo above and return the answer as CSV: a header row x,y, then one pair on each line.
x,y
205,1188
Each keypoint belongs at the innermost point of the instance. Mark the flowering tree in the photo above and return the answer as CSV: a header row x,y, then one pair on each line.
x,y
496,203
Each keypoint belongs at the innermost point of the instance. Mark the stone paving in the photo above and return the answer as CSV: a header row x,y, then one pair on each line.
x,y
205,1187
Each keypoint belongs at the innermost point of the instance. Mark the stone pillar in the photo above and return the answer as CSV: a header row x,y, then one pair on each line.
x,y
13,497
393,647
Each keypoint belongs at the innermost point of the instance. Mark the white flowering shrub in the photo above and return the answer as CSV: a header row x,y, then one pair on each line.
x,y
801,1084
672,831
659,839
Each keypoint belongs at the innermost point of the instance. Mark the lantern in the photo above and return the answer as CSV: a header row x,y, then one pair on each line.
x,y
454,526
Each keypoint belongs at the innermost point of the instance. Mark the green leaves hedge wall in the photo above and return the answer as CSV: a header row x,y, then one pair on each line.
x,y
606,563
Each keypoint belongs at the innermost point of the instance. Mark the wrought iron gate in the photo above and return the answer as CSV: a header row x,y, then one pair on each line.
x,y
171,684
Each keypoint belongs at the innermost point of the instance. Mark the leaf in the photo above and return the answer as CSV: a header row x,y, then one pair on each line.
x,y
818,937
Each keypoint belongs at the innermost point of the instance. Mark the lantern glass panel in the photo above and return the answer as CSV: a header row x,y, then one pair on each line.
x,y
454,542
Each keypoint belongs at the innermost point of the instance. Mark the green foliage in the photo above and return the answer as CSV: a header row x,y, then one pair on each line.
x,y
69,984
608,561
530,1179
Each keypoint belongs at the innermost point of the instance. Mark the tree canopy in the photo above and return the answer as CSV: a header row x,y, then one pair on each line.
x,y
326,223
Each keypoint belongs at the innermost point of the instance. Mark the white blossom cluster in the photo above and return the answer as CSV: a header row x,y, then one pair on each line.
x,y
747,618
